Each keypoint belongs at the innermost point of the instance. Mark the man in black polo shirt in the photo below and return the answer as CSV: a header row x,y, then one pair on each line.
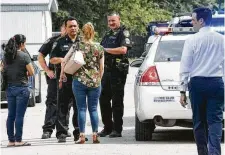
x,y
60,49
50,115
116,43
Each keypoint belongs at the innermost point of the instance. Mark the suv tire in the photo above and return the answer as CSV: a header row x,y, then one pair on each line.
x,y
143,130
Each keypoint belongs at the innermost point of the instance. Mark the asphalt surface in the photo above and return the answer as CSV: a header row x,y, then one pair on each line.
x,y
166,141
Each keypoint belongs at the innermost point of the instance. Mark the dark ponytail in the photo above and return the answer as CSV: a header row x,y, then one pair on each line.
x,y
12,46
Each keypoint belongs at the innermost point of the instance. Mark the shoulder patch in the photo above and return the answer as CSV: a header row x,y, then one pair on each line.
x,y
126,33
127,41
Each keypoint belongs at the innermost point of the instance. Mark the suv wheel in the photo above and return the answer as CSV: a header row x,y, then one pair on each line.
x,y
38,98
143,130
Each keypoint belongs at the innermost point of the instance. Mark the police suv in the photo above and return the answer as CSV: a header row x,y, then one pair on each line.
x,y
156,87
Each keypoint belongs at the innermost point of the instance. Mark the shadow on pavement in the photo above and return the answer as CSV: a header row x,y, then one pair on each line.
x,y
160,136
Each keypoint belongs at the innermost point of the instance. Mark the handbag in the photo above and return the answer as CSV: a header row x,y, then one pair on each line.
x,y
74,60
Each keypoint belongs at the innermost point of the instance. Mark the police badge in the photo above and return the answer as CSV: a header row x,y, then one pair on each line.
x,y
126,33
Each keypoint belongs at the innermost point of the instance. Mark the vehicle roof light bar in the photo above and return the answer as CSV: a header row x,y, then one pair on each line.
x,y
183,29
179,30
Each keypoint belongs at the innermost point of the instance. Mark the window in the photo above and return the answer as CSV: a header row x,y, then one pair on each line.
x,y
169,51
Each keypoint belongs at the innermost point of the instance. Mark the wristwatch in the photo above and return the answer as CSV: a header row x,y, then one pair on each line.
x,y
183,92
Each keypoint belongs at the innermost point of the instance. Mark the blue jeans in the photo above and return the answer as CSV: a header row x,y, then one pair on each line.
x,y
207,101
17,97
81,92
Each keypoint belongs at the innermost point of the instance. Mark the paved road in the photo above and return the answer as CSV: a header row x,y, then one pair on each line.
x,y
166,141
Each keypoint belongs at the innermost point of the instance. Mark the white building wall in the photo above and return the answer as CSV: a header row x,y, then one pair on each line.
x,y
48,25
36,26
27,23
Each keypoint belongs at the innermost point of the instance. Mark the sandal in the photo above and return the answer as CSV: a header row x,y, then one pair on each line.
x,y
81,140
10,144
95,139
23,144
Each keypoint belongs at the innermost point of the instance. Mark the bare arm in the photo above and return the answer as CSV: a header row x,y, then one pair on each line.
x,y
42,62
118,50
56,60
30,69
62,74
101,68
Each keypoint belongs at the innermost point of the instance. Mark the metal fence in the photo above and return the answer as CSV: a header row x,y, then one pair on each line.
x,y
137,49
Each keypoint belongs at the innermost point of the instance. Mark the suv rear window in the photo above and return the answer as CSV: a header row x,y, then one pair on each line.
x,y
169,51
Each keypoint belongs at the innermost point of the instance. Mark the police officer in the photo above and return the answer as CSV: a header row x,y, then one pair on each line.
x,y
50,115
60,49
116,43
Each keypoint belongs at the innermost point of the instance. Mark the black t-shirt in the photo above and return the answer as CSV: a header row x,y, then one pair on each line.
x,y
117,38
46,48
16,72
60,49
114,39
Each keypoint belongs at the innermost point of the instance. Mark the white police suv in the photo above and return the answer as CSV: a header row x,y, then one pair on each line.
x,y
156,87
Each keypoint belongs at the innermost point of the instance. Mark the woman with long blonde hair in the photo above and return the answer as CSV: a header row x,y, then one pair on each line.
x,y
87,82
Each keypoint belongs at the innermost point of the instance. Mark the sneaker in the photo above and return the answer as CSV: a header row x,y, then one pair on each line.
x,y
62,138
103,133
68,134
115,134
46,135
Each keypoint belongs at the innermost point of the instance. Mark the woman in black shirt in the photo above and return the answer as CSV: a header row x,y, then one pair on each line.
x,y
17,66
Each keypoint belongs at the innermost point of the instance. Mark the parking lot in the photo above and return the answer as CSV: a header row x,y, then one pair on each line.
x,y
166,141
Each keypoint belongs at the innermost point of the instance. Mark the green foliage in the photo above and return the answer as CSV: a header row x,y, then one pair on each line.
x,y
135,14
84,11
178,6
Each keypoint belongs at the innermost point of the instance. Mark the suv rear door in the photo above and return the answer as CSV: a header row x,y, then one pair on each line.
x,y
167,62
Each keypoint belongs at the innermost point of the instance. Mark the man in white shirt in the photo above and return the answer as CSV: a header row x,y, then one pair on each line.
x,y
203,62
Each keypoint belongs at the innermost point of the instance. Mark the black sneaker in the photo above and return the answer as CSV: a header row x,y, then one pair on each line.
x,y
62,138
103,133
46,135
115,134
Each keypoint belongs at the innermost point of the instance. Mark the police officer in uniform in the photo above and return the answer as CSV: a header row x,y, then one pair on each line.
x,y
60,49
50,115
116,43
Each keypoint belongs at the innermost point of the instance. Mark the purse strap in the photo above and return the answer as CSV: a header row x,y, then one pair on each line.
x,y
76,46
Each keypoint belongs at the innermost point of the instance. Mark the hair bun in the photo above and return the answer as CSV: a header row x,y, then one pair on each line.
x,y
88,31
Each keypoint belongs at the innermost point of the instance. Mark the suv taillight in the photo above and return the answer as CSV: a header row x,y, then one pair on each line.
x,y
150,77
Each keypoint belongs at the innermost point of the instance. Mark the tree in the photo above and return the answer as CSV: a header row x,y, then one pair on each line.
x,y
135,14
84,11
